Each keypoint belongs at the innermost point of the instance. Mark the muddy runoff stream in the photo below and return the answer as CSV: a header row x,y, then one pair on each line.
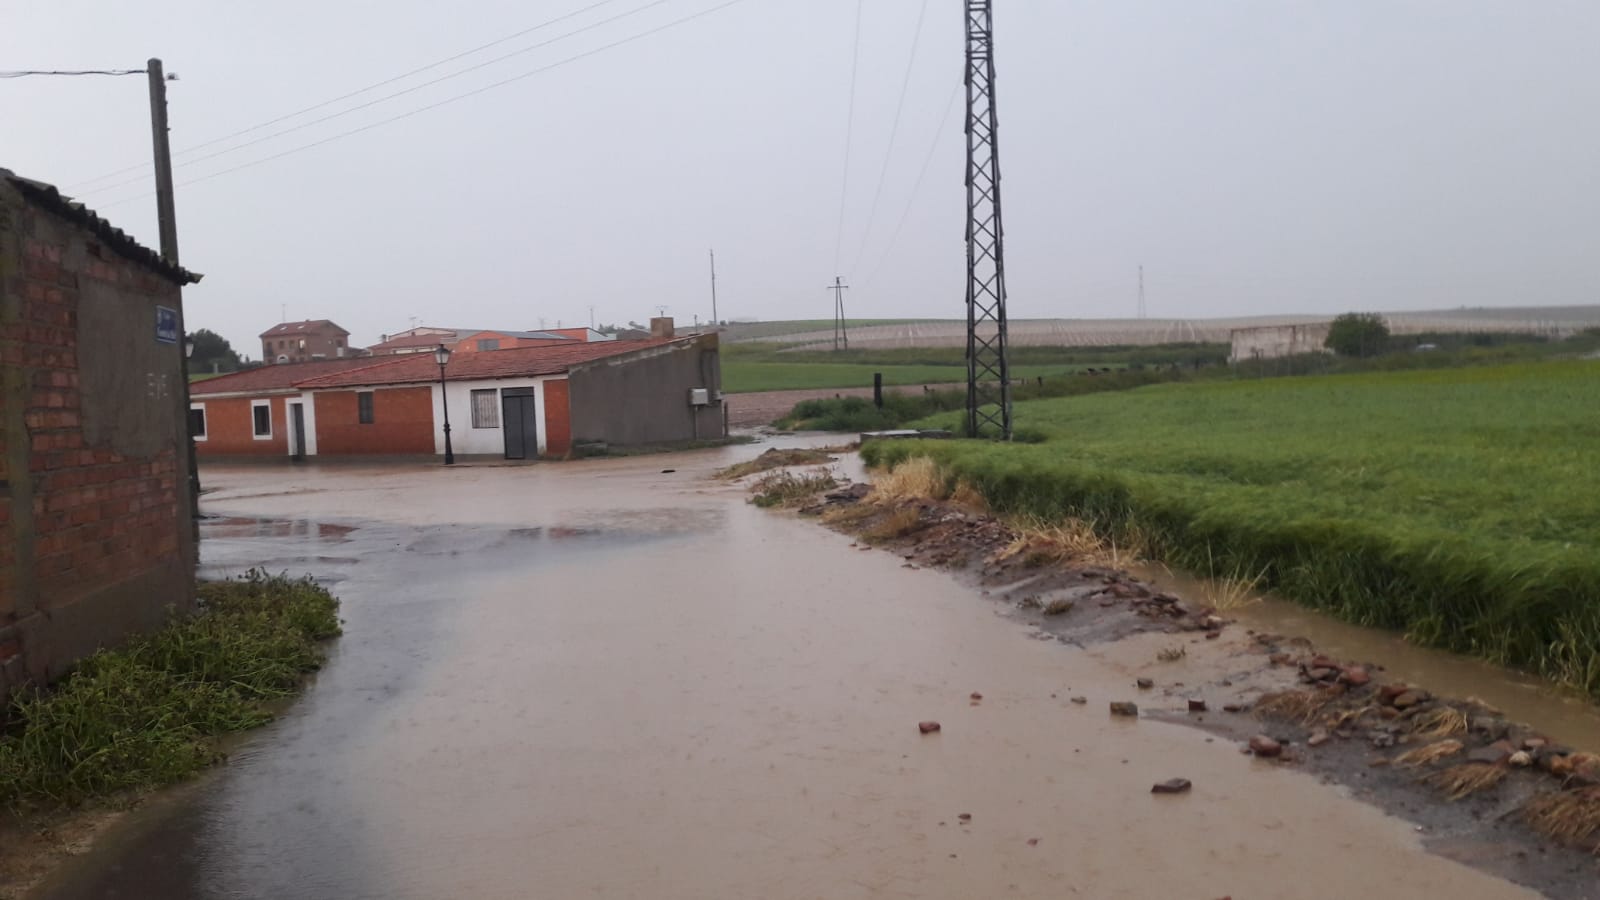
x,y
600,679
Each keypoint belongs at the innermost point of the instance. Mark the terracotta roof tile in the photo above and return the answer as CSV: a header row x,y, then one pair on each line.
x,y
47,196
280,377
517,362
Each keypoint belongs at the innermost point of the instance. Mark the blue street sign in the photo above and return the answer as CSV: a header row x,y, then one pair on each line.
x,y
166,325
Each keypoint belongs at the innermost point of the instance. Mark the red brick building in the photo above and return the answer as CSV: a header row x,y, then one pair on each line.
x,y
520,403
291,342
94,467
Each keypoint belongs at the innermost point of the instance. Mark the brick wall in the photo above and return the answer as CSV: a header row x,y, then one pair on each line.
x,y
95,536
402,422
230,428
557,418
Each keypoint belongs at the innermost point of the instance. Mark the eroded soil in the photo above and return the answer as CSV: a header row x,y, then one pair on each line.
x,y
1479,786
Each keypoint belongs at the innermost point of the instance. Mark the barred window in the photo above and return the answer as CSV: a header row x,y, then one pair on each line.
x,y
486,409
364,407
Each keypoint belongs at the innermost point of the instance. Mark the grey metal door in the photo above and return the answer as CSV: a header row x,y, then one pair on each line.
x,y
519,417
297,418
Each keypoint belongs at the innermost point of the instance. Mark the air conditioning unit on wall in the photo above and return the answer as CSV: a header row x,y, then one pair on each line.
x,y
699,397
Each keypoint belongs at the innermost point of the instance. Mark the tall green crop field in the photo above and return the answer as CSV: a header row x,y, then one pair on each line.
x,y
1461,506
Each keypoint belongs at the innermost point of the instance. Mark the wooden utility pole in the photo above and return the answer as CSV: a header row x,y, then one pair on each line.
x,y
167,221
840,331
165,212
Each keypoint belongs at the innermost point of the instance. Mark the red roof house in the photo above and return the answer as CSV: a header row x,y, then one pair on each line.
x,y
519,403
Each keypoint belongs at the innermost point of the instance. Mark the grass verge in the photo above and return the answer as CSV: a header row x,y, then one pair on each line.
x,y
1457,506
148,714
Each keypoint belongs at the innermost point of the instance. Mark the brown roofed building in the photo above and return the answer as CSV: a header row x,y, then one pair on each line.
x,y
293,342
519,403
464,340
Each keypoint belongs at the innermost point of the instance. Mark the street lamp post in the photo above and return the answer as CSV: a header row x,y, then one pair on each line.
x,y
442,356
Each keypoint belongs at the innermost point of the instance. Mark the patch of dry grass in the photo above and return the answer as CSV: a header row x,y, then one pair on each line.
x,y
1429,754
918,478
1039,543
1172,654
1342,717
1234,592
1466,779
970,497
894,526
1571,817
1445,721
1293,706
789,489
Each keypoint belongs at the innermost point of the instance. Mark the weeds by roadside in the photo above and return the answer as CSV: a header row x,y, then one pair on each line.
x,y
787,488
147,714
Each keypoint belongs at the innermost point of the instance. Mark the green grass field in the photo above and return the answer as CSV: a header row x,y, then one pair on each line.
x,y
1461,506
741,377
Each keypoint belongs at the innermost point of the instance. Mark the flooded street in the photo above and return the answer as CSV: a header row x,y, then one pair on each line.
x,y
598,679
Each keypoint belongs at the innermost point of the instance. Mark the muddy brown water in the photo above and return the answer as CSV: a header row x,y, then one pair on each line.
x,y
600,680
1562,716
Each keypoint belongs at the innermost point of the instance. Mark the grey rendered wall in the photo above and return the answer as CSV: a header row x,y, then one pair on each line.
x,y
643,398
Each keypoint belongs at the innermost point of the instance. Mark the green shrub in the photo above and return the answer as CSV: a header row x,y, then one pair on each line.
x,y
147,714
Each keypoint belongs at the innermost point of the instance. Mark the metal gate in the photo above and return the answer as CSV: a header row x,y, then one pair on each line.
x,y
519,419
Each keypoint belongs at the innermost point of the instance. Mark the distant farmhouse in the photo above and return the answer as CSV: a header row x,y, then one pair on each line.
x,y
292,342
1273,341
539,398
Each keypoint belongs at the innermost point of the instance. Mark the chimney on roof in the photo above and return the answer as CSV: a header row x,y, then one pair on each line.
x,y
661,327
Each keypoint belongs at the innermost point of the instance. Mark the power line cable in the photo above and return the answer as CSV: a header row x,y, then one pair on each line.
x,y
448,100
387,97
849,127
894,131
25,73
359,92
916,188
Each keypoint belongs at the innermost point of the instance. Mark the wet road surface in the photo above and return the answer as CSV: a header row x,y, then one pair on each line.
x,y
598,680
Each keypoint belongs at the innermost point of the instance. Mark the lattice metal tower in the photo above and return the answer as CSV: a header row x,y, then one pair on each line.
x,y
988,371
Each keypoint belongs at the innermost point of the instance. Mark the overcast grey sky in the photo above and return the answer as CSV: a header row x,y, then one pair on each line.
x,y
1256,156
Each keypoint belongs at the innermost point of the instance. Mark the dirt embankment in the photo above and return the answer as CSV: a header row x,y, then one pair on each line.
x,y
1481,788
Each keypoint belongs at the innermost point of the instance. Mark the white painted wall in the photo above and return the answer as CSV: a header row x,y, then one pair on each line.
x,y
1271,342
465,439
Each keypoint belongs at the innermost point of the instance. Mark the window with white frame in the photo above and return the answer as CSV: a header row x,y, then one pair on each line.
x,y
197,421
261,418
486,408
